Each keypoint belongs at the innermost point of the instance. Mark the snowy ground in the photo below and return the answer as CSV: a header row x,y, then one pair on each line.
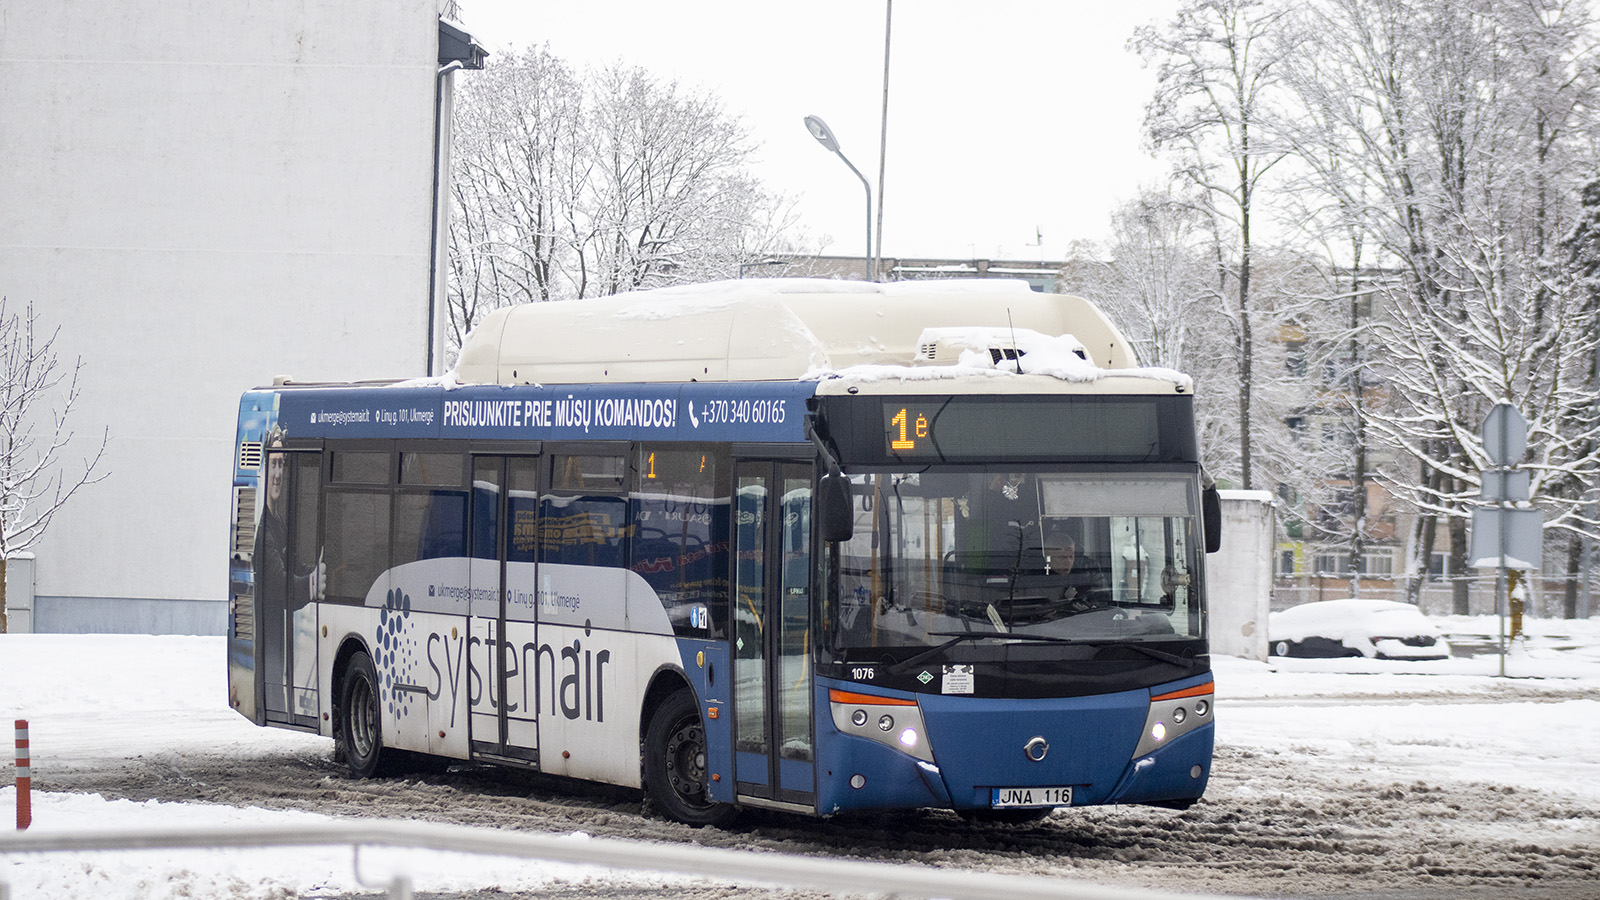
x,y
1349,778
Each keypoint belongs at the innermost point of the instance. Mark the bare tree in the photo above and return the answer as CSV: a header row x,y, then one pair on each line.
x,y
37,395
571,185
1448,133
1152,279
518,169
1155,279
1581,276
671,200
1218,63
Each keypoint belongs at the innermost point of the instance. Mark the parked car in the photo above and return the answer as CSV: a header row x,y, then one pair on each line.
x,y
1376,629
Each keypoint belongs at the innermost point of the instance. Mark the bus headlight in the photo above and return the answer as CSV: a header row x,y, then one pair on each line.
x,y
1170,716
894,722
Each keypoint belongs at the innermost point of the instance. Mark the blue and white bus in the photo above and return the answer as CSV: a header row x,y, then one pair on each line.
x,y
803,545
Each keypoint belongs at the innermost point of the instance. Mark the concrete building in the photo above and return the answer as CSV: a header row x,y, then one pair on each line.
x,y
203,198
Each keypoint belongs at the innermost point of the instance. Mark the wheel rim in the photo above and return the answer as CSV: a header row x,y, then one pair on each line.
x,y
686,762
363,718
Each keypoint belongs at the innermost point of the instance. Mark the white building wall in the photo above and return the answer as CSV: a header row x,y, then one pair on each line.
x,y
1239,575
204,196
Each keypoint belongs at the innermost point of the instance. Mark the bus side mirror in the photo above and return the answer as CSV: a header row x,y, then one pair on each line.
x,y
1211,514
835,514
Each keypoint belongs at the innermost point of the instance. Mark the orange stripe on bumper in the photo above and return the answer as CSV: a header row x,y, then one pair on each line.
x,y
864,699
1199,690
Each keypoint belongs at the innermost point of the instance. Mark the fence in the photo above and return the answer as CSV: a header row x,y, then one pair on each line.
x,y
841,876
1547,595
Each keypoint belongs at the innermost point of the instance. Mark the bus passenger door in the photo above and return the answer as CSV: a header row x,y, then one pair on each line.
x,y
773,746
505,509
287,585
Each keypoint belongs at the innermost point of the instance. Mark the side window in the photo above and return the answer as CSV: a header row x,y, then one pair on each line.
x,y
584,520
429,524
357,534
522,481
520,484
680,535
486,490
307,488
443,469
361,467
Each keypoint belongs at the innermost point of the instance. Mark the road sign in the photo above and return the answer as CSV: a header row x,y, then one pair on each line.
x,y
1505,435
1511,485
1519,531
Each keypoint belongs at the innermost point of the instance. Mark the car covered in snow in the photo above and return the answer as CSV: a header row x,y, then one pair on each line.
x,y
1376,629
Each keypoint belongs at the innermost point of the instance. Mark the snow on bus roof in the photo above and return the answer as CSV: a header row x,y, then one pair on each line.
x,y
1063,357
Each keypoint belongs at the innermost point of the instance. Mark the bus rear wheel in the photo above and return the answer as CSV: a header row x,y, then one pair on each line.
x,y
675,775
360,725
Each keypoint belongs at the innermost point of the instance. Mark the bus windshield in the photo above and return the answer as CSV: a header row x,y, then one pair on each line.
x,y
1023,556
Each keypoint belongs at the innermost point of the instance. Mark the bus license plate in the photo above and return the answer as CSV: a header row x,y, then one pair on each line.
x,y
1008,797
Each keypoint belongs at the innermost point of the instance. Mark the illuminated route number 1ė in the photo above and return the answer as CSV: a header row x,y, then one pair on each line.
x,y
902,421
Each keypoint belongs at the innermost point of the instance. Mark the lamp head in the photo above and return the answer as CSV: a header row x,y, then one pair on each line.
x,y
819,130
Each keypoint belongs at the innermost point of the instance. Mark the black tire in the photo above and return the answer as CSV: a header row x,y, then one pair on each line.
x,y
360,726
675,775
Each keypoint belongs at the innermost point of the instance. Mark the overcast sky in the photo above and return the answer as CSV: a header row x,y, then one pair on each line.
x,y
1006,119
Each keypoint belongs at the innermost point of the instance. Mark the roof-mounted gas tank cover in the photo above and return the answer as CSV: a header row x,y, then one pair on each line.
x,y
783,329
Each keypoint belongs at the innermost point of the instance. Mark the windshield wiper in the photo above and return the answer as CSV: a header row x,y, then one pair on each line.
x,y
957,637
1160,655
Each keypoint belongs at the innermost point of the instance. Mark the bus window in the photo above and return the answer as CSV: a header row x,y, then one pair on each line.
x,y
587,528
485,508
522,508
357,528
430,525
441,469
361,467
680,528
589,473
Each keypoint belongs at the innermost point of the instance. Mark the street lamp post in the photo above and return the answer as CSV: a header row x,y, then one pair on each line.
x,y
819,130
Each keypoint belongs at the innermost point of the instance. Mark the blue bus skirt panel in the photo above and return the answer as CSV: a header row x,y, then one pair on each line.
x,y
889,779
1178,771
979,743
705,664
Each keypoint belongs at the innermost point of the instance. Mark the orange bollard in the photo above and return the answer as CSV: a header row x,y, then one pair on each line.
x,y
24,778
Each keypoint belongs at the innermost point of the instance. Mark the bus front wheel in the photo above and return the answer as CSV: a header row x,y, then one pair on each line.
x,y
675,765
360,727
